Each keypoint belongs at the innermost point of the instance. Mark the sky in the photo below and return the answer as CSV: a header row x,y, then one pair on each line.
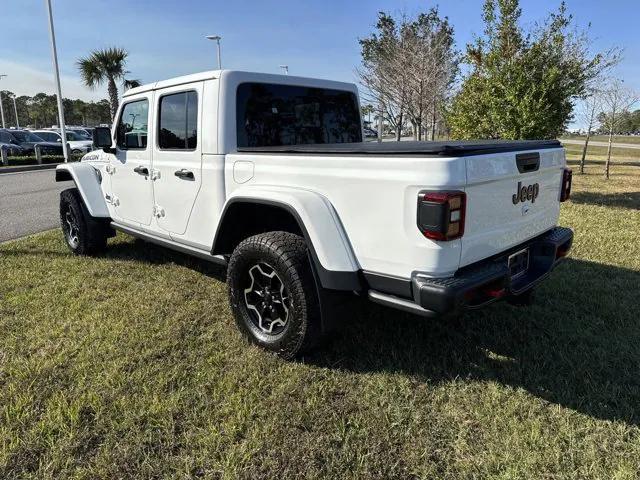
x,y
165,38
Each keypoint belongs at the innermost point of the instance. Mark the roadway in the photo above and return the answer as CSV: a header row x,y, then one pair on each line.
x,y
28,203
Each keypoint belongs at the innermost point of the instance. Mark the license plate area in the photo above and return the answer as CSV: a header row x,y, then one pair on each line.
x,y
518,263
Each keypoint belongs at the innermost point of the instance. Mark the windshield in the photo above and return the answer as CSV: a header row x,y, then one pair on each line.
x,y
81,133
274,115
24,136
73,136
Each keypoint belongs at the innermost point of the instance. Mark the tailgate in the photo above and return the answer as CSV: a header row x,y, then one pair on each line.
x,y
510,200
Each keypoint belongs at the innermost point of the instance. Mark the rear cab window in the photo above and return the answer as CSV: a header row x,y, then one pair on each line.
x,y
276,115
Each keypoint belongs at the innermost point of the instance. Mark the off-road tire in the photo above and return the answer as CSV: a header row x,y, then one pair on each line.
x,y
89,234
287,255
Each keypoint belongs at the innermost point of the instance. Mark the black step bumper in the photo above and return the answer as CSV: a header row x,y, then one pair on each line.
x,y
484,282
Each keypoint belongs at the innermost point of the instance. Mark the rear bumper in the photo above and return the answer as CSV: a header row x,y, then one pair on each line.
x,y
484,282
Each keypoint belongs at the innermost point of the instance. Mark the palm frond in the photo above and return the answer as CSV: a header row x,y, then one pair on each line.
x,y
103,64
131,83
90,72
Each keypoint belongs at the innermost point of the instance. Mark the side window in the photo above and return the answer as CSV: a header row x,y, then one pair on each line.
x,y
49,137
132,127
178,121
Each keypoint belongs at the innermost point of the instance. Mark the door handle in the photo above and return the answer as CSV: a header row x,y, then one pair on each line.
x,y
184,174
140,170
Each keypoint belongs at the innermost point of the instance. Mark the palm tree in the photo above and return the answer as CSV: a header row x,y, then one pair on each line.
x,y
108,66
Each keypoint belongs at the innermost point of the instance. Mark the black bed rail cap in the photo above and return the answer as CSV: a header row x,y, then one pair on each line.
x,y
450,149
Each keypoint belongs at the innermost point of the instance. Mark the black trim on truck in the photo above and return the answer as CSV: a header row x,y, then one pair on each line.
x,y
330,279
482,283
463,148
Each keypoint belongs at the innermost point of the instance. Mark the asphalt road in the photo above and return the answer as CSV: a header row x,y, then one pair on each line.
x,y
28,203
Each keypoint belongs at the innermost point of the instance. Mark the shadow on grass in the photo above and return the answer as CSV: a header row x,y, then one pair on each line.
x,y
578,346
624,200
140,251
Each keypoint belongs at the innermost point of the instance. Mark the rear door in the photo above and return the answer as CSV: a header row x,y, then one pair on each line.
x,y
130,167
177,155
511,197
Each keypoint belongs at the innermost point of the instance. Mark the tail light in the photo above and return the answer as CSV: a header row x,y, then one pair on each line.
x,y
441,214
565,191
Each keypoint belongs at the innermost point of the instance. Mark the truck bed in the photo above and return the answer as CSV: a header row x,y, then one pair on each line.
x,y
462,148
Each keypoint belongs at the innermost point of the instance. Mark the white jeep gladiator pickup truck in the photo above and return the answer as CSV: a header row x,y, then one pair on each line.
x,y
268,174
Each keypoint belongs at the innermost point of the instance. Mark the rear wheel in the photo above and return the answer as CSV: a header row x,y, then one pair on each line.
x,y
273,293
83,234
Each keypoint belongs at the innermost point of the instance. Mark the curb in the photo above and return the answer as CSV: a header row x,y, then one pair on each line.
x,y
28,168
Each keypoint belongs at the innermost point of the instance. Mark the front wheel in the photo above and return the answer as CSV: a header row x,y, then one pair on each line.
x,y
83,234
273,293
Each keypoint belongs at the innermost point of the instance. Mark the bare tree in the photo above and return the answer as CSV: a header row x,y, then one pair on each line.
x,y
432,65
408,67
617,99
591,107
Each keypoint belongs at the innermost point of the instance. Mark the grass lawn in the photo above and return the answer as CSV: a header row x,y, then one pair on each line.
x,y
605,138
598,155
130,365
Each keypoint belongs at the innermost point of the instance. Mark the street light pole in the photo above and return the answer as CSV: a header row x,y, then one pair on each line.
x,y
56,70
15,110
217,39
1,109
285,69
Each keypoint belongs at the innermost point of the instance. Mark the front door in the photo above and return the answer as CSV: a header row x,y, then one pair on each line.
x,y
130,168
177,155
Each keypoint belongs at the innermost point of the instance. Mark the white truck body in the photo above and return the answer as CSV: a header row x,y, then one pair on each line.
x,y
357,208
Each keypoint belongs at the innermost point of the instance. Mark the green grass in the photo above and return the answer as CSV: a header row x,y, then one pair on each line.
x,y
605,138
598,155
130,365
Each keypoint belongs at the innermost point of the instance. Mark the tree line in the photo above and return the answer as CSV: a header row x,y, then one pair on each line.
x,y
510,83
41,110
99,67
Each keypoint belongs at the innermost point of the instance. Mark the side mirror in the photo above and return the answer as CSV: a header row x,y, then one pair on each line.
x,y
102,139
59,140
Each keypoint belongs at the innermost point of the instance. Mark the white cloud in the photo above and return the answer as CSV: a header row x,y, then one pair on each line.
x,y
25,80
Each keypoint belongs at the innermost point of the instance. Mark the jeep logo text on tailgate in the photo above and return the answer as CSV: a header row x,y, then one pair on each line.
x,y
523,194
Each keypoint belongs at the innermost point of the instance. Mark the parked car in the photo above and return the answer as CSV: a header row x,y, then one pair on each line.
x,y
27,140
10,144
81,131
268,175
89,130
370,133
77,143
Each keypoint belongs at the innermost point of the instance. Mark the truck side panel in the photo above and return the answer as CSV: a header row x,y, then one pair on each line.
x,y
375,198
